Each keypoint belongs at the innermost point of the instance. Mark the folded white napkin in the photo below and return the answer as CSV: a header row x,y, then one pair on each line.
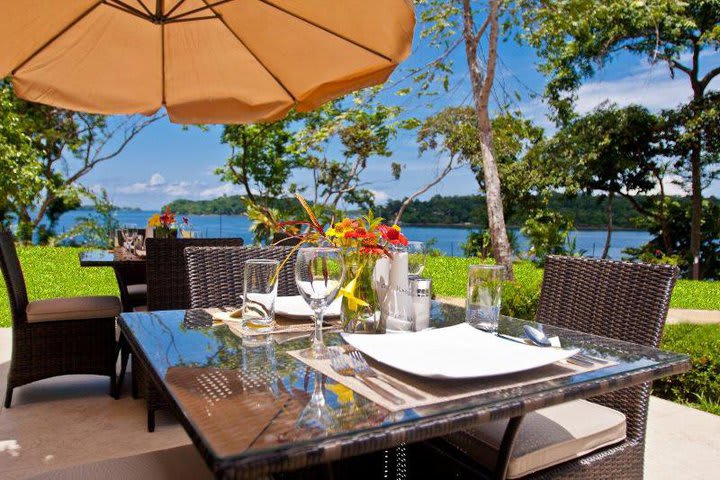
x,y
297,307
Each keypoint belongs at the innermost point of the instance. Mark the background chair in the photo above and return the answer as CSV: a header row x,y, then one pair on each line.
x,y
59,336
216,274
621,300
167,277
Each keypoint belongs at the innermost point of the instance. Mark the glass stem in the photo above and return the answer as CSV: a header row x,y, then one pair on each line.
x,y
318,339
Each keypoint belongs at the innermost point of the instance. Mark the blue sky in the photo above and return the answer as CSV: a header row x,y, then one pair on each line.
x,y
167,162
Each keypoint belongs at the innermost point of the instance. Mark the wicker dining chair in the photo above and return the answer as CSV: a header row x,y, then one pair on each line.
x,y
167,277
216,274
54,337
621,300
167,289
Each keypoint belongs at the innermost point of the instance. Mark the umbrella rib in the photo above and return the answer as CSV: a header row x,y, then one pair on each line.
x,y
56,36
170,12
196,10
145,7
126,9
325,29
251,52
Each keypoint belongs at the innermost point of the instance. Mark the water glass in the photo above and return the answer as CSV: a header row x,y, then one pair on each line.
x,y
416,258
260,291
484,292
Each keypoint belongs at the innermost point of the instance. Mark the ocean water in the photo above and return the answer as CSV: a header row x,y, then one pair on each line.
x,y
448,239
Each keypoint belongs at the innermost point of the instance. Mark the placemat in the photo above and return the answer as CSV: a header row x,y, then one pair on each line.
x,y
285,330
438,391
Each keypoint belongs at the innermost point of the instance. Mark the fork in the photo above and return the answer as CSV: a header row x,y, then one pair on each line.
x,y
343,365
363,365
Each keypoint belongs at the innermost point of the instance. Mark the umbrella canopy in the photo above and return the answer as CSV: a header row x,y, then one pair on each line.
x,y
206,61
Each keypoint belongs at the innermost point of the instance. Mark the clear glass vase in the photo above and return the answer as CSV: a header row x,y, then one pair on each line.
x,y
361,314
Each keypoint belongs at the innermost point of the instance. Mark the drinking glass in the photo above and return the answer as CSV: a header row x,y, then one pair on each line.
x,y
319,273
129,233
260,291
484,291
416,258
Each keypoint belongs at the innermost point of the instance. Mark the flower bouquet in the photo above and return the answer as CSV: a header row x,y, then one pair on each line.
x,y
164,225
362,242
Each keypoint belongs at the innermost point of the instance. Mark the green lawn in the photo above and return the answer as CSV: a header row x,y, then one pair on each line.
x,y
55,271
449,277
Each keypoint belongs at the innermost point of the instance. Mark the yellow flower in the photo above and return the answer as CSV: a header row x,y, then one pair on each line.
x,y
349,292
344,394
154,221
396,227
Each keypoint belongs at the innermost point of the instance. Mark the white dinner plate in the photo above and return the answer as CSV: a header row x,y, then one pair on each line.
x,y
456,352
297,307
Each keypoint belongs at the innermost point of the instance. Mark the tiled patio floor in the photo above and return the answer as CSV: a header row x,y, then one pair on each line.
x,y
71,420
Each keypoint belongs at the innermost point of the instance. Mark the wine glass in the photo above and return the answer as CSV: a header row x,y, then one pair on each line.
x,y
131,234
416,258
319,273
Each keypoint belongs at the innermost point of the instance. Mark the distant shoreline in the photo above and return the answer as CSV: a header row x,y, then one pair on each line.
x,y
475,226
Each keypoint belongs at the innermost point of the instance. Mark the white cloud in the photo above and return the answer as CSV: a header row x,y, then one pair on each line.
x,y
156,180
380,196
649,85
135,188
177,189
156,184
220,190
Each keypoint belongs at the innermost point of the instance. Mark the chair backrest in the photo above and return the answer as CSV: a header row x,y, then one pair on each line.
x,y
167,281
13,276
621,300
216,274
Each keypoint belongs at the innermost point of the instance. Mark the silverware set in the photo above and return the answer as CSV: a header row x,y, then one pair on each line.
x,y
535,337
354,364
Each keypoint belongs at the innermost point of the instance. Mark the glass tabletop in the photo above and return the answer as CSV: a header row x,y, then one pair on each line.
x,y
240,398
106,258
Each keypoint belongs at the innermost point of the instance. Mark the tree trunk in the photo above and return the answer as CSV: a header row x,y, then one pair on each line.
x,y
696,215
608,239
481,88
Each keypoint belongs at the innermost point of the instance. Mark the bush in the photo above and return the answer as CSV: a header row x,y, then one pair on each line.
x,y
548,233
699,387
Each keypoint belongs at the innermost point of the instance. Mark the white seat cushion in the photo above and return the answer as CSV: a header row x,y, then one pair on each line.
x,y
547,437
180,463
137,290
75,308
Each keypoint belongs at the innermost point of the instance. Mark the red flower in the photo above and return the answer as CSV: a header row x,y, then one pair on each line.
x,y
167,218
359,233
371,250
392,235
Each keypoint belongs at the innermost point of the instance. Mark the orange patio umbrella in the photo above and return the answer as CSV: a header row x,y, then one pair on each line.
x,y
206,61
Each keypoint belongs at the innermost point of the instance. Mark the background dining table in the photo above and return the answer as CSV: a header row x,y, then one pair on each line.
x,y
239,398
